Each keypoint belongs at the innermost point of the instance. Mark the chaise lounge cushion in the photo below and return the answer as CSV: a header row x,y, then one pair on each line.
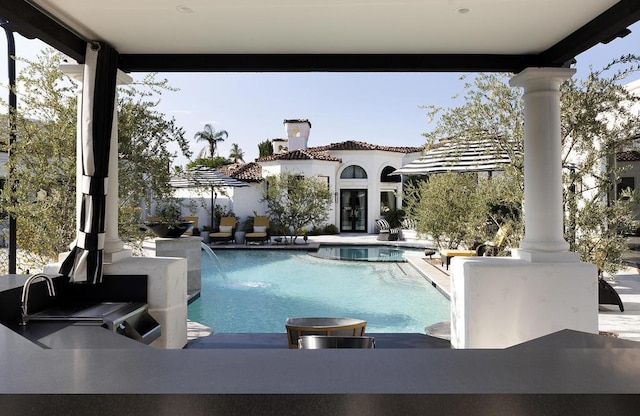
x,y
447,255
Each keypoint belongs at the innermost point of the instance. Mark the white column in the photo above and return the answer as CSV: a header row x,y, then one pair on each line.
x,y
76,72
497,302
543,210
112,244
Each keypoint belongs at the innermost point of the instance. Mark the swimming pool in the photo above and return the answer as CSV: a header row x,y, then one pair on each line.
x,y
361,253
260,289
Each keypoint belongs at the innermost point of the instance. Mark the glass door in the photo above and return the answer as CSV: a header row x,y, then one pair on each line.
x,y
353,210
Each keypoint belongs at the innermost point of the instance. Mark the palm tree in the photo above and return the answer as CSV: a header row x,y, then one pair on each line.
x,y
212,136
236,153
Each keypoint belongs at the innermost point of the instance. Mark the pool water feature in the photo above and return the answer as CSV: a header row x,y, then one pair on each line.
x,y
264,288
214,259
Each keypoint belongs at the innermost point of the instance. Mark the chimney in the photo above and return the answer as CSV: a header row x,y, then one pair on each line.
x,y
297,132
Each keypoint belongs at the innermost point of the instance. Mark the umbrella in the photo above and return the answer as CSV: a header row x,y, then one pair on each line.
x,y
84,263
205,177
479,155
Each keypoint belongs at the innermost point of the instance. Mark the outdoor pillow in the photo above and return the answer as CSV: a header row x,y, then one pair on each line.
x,y
260,229
225,228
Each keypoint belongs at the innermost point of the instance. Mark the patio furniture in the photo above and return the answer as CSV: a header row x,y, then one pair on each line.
x,y
226,230
429,252
607,295
260,232
194,220
298,327
385,232
493,248
447,255
316,342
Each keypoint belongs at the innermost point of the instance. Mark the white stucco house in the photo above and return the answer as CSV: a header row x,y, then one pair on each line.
x,y
357,173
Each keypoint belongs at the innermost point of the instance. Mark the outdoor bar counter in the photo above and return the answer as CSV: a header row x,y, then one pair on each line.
x,y
562,374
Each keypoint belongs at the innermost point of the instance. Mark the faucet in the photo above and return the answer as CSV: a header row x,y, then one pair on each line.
x,y
25,294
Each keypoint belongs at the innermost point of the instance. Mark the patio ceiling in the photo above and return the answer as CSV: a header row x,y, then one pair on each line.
x,y
334,35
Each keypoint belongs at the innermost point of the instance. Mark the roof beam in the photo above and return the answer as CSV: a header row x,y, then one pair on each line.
x,y
31,22
603,28
326,63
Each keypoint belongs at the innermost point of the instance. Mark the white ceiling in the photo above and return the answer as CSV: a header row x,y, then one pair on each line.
x,y
326,26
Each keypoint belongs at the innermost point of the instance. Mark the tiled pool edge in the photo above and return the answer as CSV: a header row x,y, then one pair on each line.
x,y
438,279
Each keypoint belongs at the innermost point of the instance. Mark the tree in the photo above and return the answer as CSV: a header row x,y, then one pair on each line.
x,y
598,119
265,148
236,153
44,156
296,201
212,136
210,163
144,135
43,161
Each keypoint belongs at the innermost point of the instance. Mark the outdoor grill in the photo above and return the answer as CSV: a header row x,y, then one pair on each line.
x,y
118,303
130,319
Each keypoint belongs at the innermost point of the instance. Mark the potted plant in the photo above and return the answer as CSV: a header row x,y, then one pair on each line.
x,y
168,221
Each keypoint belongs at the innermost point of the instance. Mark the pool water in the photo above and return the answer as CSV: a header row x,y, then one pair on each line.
x,y
361,253
259,290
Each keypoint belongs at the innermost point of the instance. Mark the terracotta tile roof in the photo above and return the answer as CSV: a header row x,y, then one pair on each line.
x,y
248,172
628,156
297,120
308,154
355,145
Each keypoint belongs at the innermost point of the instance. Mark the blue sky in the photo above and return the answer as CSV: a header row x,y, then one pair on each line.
x,y
379,108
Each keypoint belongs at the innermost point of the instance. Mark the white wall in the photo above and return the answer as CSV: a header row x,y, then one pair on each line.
x,y
242,201
373,162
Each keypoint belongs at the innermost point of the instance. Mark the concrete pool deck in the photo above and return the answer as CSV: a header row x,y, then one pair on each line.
x,y
625,325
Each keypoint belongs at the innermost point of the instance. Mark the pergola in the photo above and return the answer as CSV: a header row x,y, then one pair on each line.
x,y
496,303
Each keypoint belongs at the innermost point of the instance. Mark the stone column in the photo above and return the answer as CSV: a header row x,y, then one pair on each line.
x,y
497,302
543,210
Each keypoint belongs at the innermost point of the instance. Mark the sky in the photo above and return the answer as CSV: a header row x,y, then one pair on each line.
x,y
378,108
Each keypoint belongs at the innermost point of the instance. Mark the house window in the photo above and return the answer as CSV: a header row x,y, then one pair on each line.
x,y
353,172
386,175
627,182
387,202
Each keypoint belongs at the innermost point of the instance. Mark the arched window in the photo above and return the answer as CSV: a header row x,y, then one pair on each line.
x,y
386,175
353,172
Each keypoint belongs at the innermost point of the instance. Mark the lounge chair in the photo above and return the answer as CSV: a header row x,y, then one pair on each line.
x,y
492,248
260,232
385,232
298,327
194,220
225,231
607,295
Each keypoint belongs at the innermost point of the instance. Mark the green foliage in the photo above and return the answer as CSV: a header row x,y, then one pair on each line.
x,y
144,135
213,162
394,217
295,200
44,156
330,229
590,139
212,136
265,148
236,153
43,159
